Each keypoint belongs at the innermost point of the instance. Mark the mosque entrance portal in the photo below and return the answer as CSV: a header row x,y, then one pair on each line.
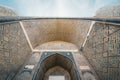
x,y
55,66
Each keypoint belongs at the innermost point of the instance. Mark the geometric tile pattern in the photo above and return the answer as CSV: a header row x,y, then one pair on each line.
x,y
103,50
13,48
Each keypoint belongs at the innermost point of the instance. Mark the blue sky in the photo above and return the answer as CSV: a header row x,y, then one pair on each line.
x,y
57,8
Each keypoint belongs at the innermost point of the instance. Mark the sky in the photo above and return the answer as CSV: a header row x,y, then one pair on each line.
x,y
57,8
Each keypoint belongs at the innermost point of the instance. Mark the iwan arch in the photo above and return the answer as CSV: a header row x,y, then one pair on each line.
x,y
59,38
61,48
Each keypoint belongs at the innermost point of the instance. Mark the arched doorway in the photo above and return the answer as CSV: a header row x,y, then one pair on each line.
x,y
60,64
57,72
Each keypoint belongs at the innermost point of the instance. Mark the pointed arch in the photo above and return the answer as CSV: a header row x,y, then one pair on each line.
x,y
51,59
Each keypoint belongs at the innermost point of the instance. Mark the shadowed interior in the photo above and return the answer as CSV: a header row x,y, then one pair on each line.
x,y
57,60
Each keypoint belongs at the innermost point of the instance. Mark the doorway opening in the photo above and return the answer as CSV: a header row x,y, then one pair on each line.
x,y
56,77
57,65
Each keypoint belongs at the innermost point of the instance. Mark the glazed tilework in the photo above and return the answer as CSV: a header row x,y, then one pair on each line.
x,y
13,48
103,50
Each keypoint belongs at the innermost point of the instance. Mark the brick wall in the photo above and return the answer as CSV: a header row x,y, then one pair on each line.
x,y
7,11
13,49
109,11
103,50
46,30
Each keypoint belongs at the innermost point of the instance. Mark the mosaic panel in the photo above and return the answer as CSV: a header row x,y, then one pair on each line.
x,y
105,57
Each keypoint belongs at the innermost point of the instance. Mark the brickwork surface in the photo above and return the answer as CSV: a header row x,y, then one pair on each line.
x,y
7,11
46,30
103,51
13,49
